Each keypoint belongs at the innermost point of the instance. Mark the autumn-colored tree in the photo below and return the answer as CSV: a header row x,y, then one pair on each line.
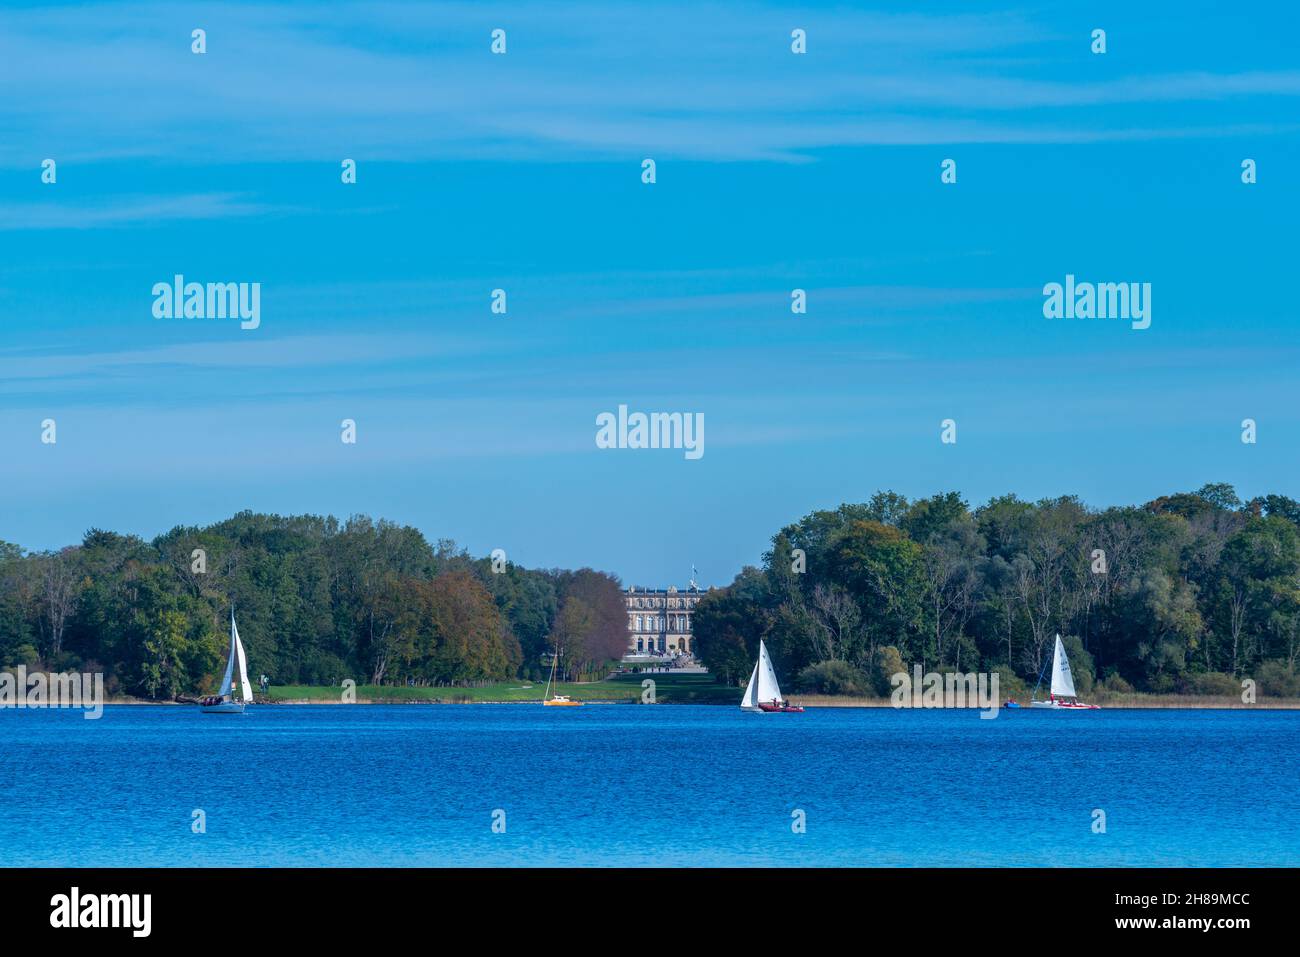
x,y
474,641
590,627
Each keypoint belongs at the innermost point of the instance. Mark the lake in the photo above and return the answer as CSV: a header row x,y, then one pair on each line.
x,y
627,785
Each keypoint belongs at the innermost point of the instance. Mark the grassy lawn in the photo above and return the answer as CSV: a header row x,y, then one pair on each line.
x,y
669,689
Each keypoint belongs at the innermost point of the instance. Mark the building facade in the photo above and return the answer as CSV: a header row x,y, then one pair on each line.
x,y
659,620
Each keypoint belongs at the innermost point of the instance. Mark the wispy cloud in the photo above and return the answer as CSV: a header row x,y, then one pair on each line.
x,y
246,352
582,80
127,211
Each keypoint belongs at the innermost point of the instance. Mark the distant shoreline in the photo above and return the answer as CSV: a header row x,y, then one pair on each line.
x,y
1117,703
1134,702
669,689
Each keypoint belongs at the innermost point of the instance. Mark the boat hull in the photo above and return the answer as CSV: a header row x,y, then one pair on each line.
x,y
780,709
563,704
1062,706
225,707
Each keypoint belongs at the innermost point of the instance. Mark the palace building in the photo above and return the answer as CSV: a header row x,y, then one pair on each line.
x,y
659,620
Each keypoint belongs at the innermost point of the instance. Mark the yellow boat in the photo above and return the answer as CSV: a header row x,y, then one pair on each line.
x,y
562,701
559,700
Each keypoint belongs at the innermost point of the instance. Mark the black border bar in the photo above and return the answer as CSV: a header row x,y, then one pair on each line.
x,y
617,909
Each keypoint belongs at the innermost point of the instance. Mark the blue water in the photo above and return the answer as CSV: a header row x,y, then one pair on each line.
x,y
663,786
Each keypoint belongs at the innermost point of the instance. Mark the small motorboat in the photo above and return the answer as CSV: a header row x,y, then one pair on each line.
x,y
773,706
1011,703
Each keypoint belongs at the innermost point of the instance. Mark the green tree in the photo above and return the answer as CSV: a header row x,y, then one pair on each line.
x,y
1221,495
882,568
728,625
162,670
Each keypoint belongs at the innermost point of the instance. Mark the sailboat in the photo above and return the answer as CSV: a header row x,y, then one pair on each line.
x,y
559,700
225,703
763,694
1063,696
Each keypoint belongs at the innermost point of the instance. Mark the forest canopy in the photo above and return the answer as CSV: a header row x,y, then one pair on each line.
x,y
1189,593
317,601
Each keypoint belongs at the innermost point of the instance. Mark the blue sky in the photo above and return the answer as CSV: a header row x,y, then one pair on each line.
x,y
522,172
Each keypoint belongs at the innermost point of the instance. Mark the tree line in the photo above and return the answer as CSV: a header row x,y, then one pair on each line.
x,y
1190,593
317,601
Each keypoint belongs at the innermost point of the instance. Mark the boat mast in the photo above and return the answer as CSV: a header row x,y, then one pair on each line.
x,y
1034,696
555,656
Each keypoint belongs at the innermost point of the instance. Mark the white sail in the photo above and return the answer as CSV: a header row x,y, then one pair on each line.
x,y
1062,680
750,701
762,687
245,688
230,659
768,689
